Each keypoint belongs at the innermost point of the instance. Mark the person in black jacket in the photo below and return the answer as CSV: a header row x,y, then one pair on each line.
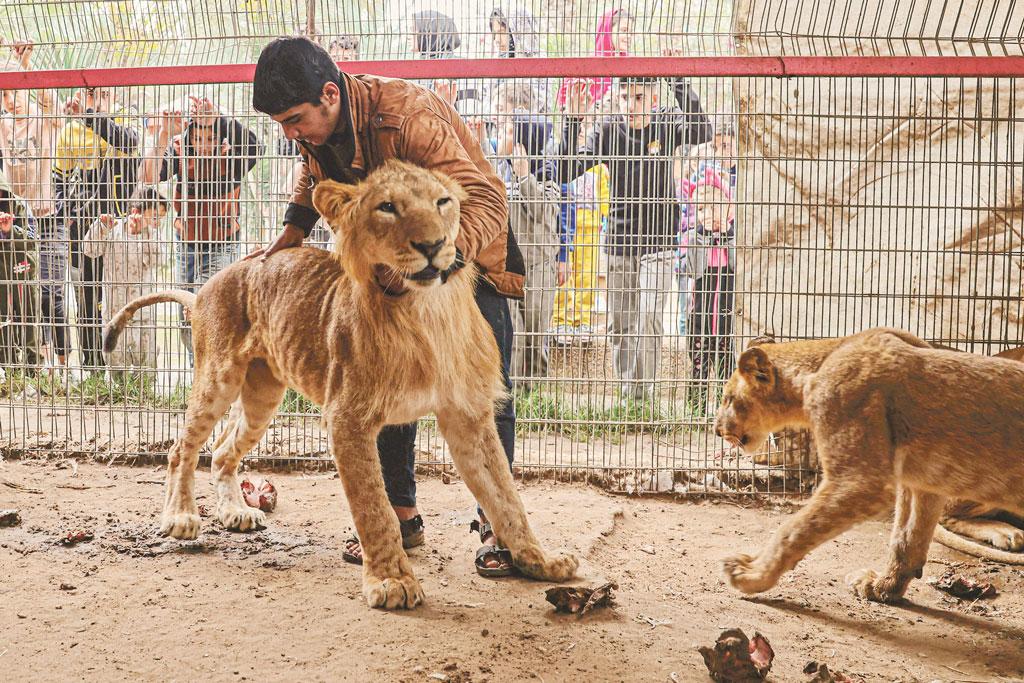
x,y
638,147
95,171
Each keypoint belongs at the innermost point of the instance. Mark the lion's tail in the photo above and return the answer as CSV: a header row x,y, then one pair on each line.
x,y
987,552
112,331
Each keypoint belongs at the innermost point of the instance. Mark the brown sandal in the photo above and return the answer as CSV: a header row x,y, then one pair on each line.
x,y
412,536
487,553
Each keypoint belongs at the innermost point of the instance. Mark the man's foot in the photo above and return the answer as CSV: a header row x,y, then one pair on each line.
x,y
412,536
492,559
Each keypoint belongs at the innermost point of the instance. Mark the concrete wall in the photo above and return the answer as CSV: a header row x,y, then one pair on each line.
x,y
869,202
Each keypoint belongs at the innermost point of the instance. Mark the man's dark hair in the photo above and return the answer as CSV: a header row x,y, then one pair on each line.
x,y
146,199
625,81
290,72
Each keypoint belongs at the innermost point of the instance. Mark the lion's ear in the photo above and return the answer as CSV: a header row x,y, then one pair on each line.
x,y
755,366
330,198
453,187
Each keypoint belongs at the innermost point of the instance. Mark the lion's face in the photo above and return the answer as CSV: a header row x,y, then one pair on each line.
x,y
747,413
397,228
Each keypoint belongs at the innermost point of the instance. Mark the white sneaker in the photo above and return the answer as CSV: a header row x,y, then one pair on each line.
x,y
28,393
3,376
70,376
563,335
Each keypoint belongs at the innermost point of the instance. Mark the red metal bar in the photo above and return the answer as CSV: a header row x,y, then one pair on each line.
x,y
554,67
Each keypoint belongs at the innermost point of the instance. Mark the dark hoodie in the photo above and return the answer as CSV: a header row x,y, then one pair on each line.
x,y
533,199
523,42
644,212
437,36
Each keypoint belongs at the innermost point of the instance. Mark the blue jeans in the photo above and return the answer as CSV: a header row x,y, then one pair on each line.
x,y
396,443
197,263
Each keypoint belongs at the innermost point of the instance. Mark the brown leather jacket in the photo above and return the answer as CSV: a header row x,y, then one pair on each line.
x,y
395,119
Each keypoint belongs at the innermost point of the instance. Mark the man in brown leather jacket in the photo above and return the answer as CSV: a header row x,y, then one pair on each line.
x,y
348,125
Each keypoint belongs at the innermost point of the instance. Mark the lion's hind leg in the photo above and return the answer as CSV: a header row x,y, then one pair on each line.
x,y
478,455
917,513
251,414
213,390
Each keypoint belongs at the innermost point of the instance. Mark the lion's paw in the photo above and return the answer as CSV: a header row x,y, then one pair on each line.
x,y
1006,538
867,584
740,573
557,568
241,518
534,563
392,592
182,525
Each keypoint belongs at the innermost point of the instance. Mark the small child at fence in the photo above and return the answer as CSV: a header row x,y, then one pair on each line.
x,y
709,257
131,253
534,197
585,216
19,288
684,185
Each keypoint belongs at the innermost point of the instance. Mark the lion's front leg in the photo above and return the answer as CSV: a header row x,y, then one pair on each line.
x,y
388,580
478,455
917,513
834,508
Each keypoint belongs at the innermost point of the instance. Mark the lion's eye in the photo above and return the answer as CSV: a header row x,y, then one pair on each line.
x,y
444,200
387,207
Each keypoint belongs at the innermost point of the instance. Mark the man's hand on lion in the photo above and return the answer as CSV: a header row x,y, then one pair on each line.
x,y
291,236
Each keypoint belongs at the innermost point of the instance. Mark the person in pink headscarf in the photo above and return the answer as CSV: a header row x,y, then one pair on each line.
x,y
614,38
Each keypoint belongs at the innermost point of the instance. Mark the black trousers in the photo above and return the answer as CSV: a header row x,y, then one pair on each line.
x,y
88,279
710,325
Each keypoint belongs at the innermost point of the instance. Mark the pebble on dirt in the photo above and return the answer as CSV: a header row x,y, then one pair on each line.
x,y
10,518
76,537
820,674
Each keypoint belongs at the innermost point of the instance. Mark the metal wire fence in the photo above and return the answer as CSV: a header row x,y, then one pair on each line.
x,y
105,33
807,206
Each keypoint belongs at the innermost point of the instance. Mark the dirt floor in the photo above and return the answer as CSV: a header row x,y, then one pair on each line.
x,y
280,605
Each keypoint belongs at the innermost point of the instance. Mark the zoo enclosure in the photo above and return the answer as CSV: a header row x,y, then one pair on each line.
x,y
878,181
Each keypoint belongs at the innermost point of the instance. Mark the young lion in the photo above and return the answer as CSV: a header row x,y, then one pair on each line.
x,y
889,414
382,332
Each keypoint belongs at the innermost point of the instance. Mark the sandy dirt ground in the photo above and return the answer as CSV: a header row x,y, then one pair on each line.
x,y
280,605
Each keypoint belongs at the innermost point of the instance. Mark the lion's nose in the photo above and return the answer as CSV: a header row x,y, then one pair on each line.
x,y
718,430
429,249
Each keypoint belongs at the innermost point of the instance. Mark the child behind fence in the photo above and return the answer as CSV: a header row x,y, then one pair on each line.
x,y
131,251
19,291
534,196
709,257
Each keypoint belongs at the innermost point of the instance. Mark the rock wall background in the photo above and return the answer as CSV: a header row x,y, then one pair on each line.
x,y
880,201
